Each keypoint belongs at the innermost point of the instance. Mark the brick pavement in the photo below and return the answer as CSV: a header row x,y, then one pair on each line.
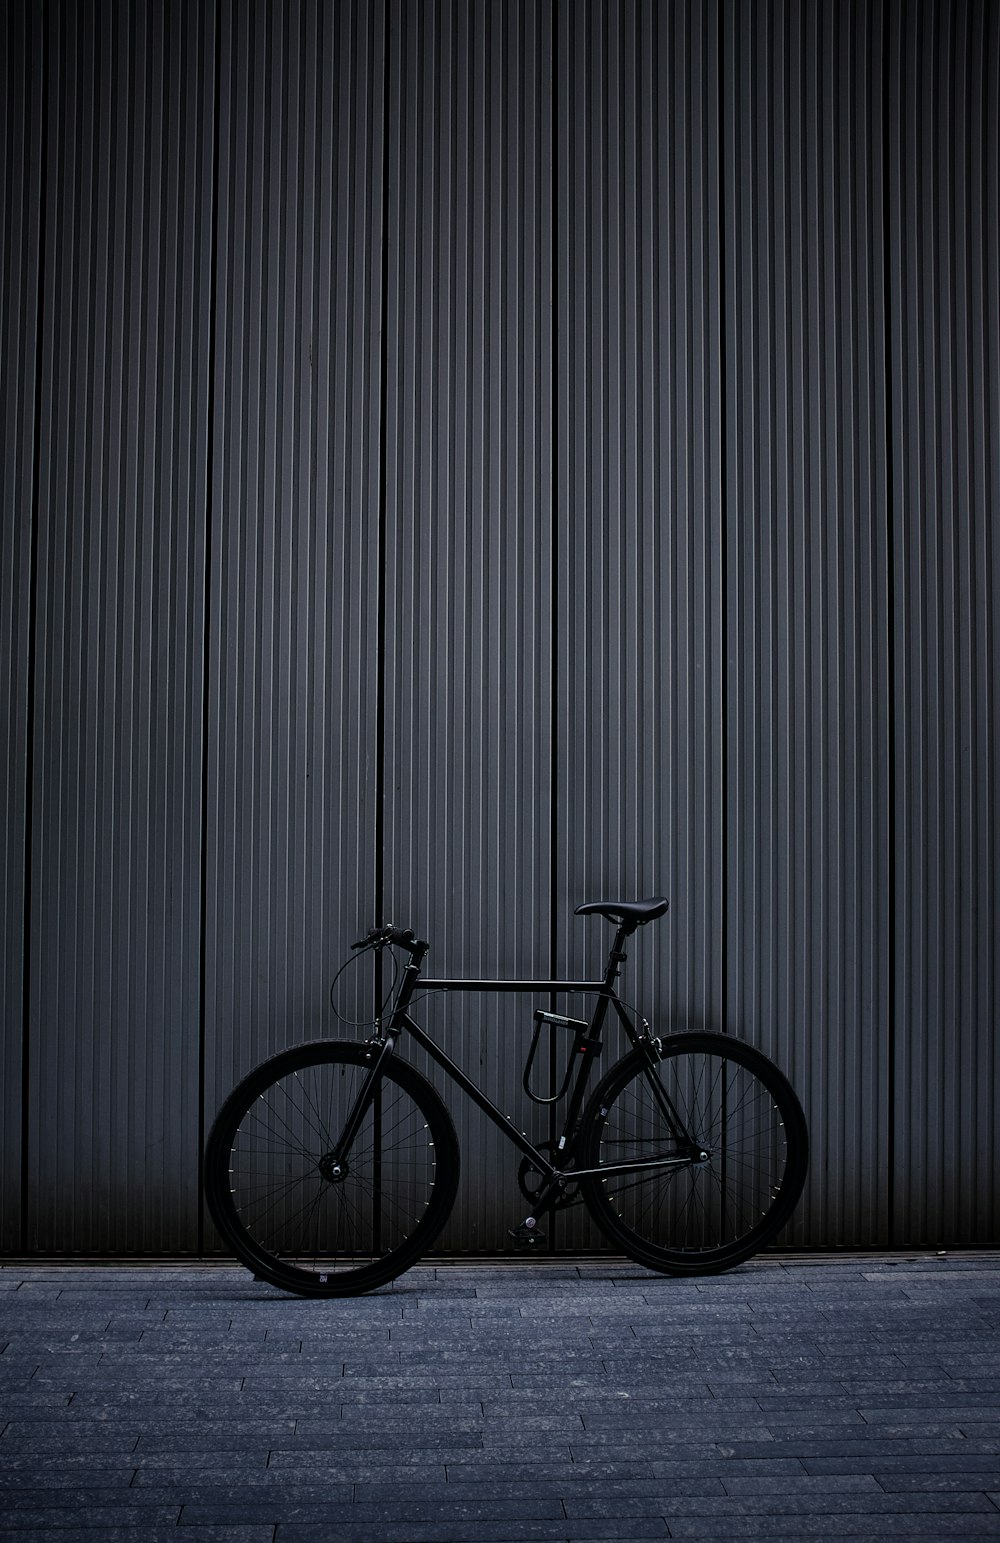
x,y
790,1398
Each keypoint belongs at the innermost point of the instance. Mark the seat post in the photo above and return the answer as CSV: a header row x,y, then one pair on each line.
x,y
617,955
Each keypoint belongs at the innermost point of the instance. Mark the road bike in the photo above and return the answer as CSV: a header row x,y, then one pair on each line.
x,y
333,1166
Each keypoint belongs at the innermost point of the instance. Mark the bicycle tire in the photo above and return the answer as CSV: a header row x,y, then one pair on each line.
x,y
709,1214
312,1234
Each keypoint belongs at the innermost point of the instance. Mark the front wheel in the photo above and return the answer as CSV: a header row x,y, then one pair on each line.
x,y
727,1144
308,1218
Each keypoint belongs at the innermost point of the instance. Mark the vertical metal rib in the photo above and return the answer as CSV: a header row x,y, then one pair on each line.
x,y
944,255
114,879
22,140
806,645
467,593
291,708
639,688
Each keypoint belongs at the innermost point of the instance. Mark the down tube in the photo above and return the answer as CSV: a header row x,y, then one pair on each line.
x,y
502,1121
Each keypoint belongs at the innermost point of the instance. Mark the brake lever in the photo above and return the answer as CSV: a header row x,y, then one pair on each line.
x,y
379,937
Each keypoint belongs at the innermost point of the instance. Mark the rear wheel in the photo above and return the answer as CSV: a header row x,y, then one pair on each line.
x,y
736,1132
306,1222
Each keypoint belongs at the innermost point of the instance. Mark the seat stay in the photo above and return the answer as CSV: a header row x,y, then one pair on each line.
x,y
675,1124
647,1045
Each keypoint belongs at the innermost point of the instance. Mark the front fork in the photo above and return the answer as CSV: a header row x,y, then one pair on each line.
x,y
380,1047
379,1050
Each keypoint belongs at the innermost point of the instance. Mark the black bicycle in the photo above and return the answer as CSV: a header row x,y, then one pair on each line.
x,y
333,1166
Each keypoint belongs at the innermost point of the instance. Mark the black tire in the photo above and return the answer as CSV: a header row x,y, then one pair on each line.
x,y
321,1236
714,1210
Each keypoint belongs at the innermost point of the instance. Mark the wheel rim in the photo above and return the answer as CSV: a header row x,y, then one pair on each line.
x,y
292,1205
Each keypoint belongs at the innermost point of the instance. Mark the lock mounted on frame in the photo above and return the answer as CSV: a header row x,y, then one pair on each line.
x,y
582,1043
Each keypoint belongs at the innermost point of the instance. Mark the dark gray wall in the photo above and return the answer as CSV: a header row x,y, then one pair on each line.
x,y
463,458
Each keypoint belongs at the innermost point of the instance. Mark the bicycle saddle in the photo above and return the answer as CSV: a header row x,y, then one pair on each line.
x,y
638,912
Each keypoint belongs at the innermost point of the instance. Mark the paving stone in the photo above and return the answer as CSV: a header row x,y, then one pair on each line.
x,y
246,1512
439,1508
355,1467
858,1527
807,1447
649,1491
875,1502
504,1464
958,1481
942,1463
560,1531
418,1444
67,1473
724,1468
46,1439
178,1478
622,1511
81,1501
215,1436
97,1516
816,1487
252,1456
105,1534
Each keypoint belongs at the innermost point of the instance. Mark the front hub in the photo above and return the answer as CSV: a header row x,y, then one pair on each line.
x,y
334,1170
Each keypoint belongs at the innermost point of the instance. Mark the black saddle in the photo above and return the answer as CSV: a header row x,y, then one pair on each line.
x,y
634,913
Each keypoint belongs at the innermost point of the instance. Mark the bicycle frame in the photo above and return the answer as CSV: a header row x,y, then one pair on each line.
x,y
553,1176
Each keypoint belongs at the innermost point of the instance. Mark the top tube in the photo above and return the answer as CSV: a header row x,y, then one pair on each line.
x,y
427,984
418,948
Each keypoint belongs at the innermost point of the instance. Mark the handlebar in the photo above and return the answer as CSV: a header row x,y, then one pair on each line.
x,y
403,937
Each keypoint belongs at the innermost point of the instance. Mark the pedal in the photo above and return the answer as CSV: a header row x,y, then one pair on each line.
x,y
527,1237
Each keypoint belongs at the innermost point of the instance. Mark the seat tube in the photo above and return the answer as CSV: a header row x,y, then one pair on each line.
x,y
616,958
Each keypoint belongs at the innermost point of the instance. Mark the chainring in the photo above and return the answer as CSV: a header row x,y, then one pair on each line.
x,y
527,1173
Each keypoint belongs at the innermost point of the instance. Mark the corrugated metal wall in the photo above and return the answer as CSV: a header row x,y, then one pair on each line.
x,y
460,458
